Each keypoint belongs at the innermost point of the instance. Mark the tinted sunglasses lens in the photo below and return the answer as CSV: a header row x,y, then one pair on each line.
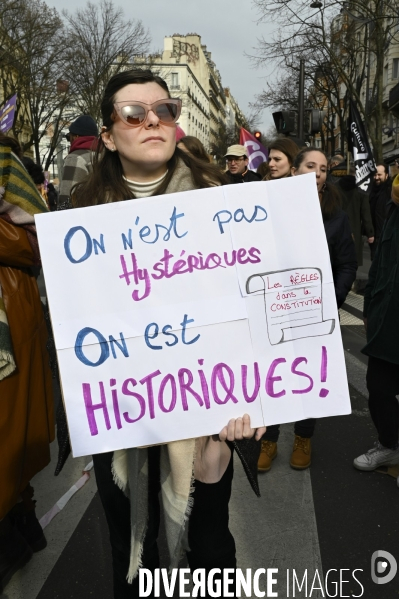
x,y
133,115
167,112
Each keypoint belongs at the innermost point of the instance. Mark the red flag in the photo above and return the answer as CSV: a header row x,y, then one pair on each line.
x,y
256,152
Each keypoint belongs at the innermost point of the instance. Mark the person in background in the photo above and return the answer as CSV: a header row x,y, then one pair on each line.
x,y
237,165
52,197
83,134
380,195
37,174
381,320
282,153
26,392
355,203
193,146
335,162
343,264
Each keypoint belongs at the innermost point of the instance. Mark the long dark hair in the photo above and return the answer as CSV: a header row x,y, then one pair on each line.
x,y
106,182
195,147
330,198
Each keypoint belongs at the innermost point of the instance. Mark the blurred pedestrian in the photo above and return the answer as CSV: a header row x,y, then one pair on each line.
x,y
237,165
83,134
37,174
343,263
380,196
26,398
193,146
282,154
52,197
355,203
380,314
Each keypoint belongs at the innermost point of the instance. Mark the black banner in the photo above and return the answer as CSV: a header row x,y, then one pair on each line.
x,y
359,145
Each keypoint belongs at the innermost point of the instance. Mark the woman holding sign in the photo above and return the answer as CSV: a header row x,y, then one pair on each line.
x,y
343,263
137,157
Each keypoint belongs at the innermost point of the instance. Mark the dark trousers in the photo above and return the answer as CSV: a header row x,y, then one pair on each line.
x,y
303,428
383,386
210,540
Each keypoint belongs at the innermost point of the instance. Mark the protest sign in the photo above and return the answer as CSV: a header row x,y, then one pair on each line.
x,y
173,314
7,114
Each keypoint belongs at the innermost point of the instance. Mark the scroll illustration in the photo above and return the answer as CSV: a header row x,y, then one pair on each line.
x,y
293,303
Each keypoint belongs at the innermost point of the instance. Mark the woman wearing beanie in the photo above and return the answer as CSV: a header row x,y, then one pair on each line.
x,y
343,264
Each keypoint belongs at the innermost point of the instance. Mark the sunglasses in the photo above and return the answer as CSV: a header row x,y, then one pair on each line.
x,y
135,113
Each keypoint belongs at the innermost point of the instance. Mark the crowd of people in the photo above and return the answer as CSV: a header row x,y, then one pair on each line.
x,y
126,160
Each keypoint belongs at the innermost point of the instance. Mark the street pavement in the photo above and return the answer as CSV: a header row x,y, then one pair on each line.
x,y
321,525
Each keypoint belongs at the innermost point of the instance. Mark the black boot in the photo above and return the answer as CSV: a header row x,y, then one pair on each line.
x,y
23,515
28,526
14,551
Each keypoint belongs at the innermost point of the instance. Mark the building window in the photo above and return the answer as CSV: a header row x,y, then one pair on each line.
x,y
175,81
395,68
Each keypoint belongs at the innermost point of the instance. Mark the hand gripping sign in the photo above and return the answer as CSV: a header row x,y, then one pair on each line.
x,y
171,314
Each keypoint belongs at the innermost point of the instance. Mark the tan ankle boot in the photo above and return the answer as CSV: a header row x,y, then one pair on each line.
x,y
301,453
267,455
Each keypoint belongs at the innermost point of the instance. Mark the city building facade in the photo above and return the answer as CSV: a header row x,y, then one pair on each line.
x,y
187,66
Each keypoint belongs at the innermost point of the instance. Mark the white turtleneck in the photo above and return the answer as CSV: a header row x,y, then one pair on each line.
x,y
143,190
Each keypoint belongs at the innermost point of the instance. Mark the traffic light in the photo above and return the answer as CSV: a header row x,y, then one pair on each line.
x,y
316,121
284,121
258,135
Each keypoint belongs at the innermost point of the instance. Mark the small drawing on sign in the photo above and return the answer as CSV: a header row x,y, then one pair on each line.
x,y
293,303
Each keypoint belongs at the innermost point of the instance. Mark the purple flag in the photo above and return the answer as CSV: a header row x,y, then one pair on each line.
x,y
256,152
7,114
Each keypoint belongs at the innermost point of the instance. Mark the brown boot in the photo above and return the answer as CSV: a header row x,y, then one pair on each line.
x,y
267,455
301,453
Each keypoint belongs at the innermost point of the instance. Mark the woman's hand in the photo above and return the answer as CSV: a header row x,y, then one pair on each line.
x,y
240,428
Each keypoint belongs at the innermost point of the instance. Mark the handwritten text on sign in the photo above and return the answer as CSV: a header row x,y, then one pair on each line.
x,y
173,314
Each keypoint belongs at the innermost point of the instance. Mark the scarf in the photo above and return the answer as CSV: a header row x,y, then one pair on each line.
x,y
84,142
130,468
19,202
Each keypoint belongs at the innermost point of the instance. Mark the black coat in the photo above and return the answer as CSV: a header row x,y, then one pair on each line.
x,y
381,296
379,198
247,177
356,205
342,253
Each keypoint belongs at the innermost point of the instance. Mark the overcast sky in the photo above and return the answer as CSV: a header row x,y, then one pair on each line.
x,y
227,27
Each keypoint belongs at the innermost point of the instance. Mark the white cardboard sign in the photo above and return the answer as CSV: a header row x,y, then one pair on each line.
x,y
173,314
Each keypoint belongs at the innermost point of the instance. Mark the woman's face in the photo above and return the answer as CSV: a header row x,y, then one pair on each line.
x,y
279,164
313,162
143,150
